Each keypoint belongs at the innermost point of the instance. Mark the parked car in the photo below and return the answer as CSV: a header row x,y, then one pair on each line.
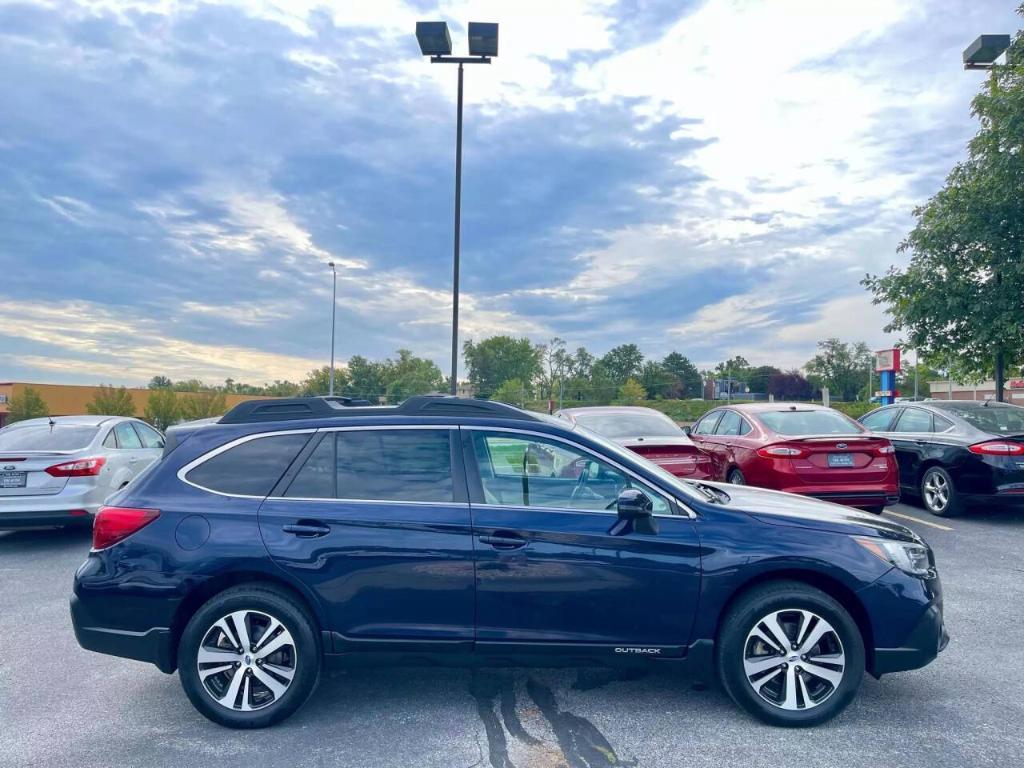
x,y
800,448
300,533
954,454
650,433
59,470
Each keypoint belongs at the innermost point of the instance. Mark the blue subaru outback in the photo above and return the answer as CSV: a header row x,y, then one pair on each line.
x,y
294,534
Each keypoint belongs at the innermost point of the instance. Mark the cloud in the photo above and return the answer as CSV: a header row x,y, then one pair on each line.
x,y
709,176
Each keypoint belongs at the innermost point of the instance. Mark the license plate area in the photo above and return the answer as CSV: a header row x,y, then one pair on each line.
x,y
13,479
840,459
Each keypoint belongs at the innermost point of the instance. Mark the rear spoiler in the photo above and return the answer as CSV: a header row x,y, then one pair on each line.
x,y
854,436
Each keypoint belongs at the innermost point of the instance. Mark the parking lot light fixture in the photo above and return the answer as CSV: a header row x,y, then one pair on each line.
x,y
334,310
983,52
436,43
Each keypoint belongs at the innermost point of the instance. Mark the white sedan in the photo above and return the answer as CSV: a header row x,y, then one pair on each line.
x,y
59,470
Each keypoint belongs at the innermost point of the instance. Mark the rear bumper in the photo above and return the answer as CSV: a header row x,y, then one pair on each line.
x,y
45,517
852,497
152,645
925,642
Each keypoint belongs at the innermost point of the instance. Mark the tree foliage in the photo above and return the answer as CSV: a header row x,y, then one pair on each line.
x,y
690,383
202,405
841,367
27,405
632,392
494,361
111,401
511,392
961,297
162,408
789,386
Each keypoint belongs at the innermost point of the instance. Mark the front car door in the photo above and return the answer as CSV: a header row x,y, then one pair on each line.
x,y
911,436
375,522
551,574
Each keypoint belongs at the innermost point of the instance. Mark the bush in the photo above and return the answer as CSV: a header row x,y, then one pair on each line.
x,y
28,405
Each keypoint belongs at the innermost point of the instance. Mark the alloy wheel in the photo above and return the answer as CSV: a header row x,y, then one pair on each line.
x,y
794,659
246,660
935,491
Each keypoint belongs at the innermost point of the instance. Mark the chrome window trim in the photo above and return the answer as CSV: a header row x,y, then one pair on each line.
x,y
683,506
202,459
320,499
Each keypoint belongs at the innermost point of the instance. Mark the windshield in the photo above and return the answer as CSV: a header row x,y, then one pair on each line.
x,y
43,437
629,424
809,423
997,419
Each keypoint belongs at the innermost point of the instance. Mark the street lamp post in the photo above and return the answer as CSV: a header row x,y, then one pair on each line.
x,y
982,54
436,43
334,309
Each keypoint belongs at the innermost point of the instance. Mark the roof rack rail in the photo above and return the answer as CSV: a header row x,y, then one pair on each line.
x,y
290,409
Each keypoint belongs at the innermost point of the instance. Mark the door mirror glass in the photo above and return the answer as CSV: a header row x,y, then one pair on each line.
x,y
687,430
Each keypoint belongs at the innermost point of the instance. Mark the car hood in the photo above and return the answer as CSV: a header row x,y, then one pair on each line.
x,y
777,508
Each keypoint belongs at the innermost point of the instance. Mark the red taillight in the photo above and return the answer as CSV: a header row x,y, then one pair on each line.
x,y
114,524
77,468
780,452
885,450
997,448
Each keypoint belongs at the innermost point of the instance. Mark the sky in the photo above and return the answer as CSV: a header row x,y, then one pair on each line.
x,y
708,177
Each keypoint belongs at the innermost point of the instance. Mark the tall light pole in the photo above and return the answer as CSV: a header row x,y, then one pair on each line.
x,y
982,54
334,310
436,43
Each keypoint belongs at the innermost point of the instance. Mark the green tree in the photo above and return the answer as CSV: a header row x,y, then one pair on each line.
x,y
632,392
111,401
189,385
409,375
162,409
961,297
759,377
367,379
281,388
622,362
495,360
511,392
841,367
685,373
27,405
202,405
318,381
160,382
736,368
658,382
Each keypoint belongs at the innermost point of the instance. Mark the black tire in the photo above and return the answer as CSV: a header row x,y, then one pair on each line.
x,y
935,478
305,654
735,477
747,613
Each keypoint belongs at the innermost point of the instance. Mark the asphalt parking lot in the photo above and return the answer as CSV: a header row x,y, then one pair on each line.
x,y
62,706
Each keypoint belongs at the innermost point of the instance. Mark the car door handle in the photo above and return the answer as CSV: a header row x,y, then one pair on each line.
x,y
307,530
507,541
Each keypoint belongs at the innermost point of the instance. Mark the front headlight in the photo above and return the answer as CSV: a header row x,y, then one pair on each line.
x,y
908,557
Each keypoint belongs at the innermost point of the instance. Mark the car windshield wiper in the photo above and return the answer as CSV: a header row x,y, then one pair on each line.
x,y
712,494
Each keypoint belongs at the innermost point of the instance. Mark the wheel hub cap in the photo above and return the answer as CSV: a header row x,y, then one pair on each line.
x,y
247,660
793,659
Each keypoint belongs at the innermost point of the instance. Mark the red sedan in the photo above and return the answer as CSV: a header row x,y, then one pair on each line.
x,y
799,448
650,433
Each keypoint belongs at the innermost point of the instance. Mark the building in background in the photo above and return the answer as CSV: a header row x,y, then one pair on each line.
x,y
71,400
983,390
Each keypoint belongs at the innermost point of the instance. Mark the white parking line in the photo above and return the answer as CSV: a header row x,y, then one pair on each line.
x,y
918,520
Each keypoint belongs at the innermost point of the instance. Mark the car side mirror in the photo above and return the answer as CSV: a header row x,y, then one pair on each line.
x,y
636,513
687,430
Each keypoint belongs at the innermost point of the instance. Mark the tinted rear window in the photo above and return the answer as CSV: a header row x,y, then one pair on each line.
x,y
251,468
638,424
997,419
383,465
809,423
42,437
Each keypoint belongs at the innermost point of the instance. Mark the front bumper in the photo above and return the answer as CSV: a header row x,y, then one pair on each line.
x,y
927,639
152,645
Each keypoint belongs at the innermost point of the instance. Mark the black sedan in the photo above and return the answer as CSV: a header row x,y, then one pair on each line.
x,y
956,454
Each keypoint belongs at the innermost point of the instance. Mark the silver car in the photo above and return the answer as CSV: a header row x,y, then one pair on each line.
x,y
59,470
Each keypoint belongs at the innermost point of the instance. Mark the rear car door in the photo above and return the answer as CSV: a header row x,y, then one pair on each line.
x,y
911,436
375,521
552,575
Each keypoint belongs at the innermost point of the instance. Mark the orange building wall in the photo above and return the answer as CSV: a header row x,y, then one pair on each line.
x,y
71,400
